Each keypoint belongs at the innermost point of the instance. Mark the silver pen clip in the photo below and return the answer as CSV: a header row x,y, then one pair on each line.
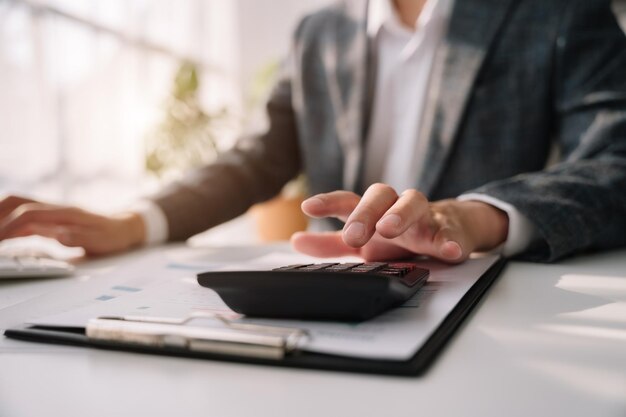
x,y
238,339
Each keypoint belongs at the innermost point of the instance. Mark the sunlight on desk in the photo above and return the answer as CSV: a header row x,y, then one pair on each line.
x,y
586,331
604,383
612,315
604,286
605,322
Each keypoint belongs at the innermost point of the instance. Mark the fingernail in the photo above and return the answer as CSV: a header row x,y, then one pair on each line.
x,y
392,220
355,230
314,203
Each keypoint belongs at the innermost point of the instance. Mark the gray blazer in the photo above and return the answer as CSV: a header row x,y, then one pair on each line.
x,y
513,79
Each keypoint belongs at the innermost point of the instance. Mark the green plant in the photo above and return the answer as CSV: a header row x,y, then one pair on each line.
x,y
260,86
187,136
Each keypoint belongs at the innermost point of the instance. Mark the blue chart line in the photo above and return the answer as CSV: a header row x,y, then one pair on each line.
x,y
105,297
124,288
190,267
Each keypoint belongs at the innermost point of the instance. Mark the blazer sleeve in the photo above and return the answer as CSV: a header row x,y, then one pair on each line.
x,y
253,171
580,203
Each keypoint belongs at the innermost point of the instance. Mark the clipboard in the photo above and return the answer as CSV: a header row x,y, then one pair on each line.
x,y
248,343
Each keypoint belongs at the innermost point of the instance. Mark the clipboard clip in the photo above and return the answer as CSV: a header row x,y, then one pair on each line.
x,y
226,338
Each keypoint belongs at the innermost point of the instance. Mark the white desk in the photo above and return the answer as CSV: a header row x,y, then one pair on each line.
x,y
548,340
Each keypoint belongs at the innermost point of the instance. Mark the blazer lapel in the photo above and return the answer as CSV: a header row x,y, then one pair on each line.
x,y
473,26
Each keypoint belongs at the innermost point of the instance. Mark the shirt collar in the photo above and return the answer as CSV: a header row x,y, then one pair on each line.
x,y
383,13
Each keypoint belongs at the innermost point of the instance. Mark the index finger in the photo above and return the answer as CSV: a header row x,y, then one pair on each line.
x,y
338,204
10,203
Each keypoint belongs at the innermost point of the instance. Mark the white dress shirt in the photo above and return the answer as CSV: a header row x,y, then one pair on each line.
x,y
404,56
157,229
393,153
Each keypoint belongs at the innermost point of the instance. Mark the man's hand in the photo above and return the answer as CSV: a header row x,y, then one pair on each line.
x,y
71,226
383,225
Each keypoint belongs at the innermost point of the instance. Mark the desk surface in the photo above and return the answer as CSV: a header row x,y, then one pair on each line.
x,y
547,340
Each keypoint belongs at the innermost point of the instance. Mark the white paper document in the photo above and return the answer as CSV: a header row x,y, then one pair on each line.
x,y
395,335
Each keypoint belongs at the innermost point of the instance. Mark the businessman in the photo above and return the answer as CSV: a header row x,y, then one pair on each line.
x,y
434,127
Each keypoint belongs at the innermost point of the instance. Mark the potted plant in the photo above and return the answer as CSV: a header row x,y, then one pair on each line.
x,y
187,137
280,217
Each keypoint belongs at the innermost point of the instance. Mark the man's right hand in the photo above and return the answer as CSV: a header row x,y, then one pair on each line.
x,y
71,226
383,225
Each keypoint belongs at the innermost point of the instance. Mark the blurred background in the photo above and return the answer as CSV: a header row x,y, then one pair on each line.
x,y
102,101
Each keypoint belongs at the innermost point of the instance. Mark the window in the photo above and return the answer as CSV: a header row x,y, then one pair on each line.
x,y
84,81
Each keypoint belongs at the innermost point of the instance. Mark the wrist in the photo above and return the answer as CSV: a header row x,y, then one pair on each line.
x,y
132,228
488,224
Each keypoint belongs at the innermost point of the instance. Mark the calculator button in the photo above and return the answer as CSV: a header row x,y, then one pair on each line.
x,y
407,265
375,264
400,271
342,267
316,267
389,272
369,267
291,267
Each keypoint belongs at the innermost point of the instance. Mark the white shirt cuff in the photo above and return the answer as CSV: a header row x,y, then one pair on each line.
x,y
154,219
522,232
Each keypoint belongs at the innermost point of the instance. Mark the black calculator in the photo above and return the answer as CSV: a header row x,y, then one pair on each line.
x,y
327,291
